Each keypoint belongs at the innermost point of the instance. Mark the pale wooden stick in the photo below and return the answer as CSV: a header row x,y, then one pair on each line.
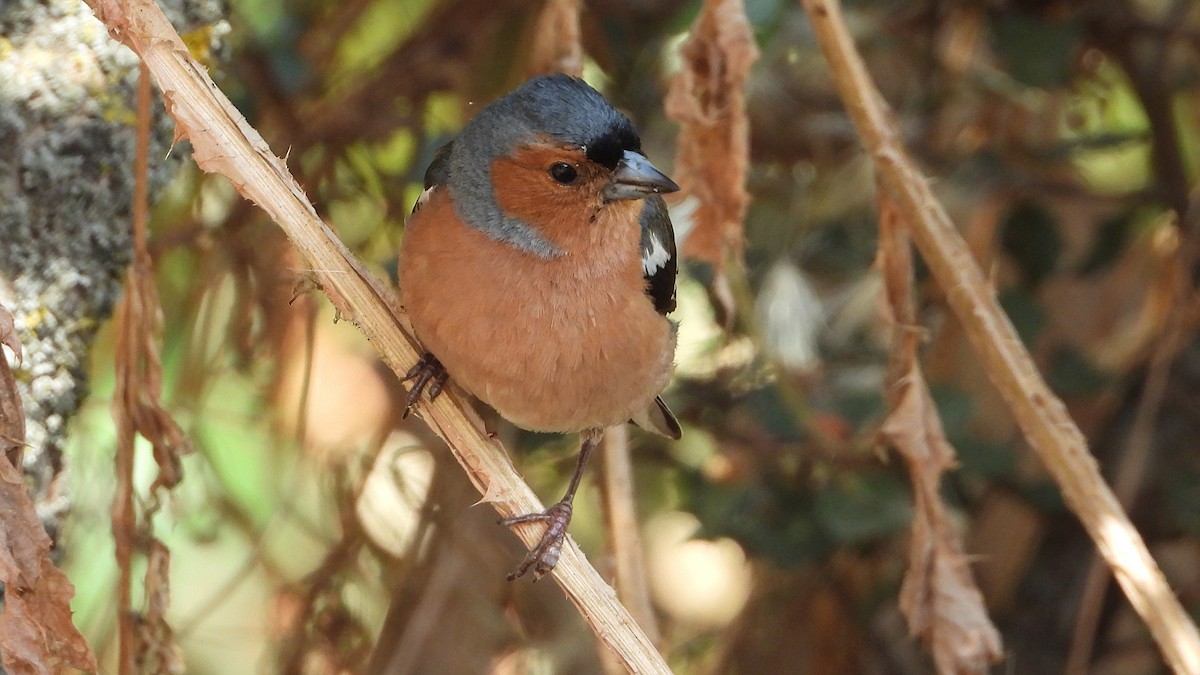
x,y
1041,415
624,535
224,142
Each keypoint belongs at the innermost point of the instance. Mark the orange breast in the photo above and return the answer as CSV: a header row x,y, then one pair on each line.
x,y
553,345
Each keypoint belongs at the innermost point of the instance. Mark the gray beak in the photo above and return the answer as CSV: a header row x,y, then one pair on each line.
x,y
634,178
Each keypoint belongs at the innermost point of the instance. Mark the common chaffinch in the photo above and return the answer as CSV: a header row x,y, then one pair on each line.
x,y
538,269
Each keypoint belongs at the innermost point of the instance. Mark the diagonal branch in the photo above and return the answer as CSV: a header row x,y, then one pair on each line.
x,y
1041,415
224,142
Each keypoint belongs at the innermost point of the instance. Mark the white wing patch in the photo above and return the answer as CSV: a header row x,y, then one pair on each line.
x,y
656,257
423,199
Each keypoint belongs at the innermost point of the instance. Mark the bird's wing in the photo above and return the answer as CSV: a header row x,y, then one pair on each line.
x,y
658,418
436,175
658,253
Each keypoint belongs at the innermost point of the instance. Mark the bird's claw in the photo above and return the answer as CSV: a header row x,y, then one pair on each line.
x,y
543,557
427,371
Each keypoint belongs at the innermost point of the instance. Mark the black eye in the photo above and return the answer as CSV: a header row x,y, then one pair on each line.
x,y
563,173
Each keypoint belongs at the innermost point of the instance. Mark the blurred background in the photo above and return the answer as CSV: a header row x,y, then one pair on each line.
x,y
1063,137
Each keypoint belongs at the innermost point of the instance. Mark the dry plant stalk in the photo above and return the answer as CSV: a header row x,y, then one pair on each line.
x,y
1040,414
557,47
938,596
146,640
708,98
36,632
225,143
624,533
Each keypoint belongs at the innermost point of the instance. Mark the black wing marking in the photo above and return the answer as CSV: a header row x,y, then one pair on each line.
x,y
657,417
659,265
436,175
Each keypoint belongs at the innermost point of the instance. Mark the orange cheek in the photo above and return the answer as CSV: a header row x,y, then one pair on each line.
x,y
526,193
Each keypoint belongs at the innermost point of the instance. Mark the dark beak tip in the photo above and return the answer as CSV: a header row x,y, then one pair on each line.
x,y
635,177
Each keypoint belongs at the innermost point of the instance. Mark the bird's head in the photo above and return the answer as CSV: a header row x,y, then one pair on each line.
x,y
547,159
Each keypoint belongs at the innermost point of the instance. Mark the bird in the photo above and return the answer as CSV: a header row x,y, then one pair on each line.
x,y
538,269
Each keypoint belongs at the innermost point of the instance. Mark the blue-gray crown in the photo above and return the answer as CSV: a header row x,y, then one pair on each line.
x,y
559,106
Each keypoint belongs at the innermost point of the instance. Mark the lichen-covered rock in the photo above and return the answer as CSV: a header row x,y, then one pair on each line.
x,y
67,139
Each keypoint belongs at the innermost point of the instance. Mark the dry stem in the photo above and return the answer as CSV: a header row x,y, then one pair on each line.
x,y
621,523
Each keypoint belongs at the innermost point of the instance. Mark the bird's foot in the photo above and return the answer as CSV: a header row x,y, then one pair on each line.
x,y
543,557
427,372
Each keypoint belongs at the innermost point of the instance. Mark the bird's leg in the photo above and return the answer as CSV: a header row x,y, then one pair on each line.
x,y
427,369
543,557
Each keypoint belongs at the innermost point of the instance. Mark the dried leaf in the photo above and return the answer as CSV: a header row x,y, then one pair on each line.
x,y
914,428
12,412
708,98
146,645
36,632
157,651
938,596
137,403
556,46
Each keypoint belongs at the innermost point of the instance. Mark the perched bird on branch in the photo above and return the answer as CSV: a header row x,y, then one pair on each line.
x,y
538,269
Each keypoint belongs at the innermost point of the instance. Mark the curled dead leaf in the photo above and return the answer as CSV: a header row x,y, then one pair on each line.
x,y
708,98
137,408
557,47
939,596
36,631
137,402
157,648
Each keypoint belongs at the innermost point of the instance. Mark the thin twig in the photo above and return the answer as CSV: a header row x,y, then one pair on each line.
x,y
224,142
1131,471
433,600
1129,475
621,522
1040,414
124,516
